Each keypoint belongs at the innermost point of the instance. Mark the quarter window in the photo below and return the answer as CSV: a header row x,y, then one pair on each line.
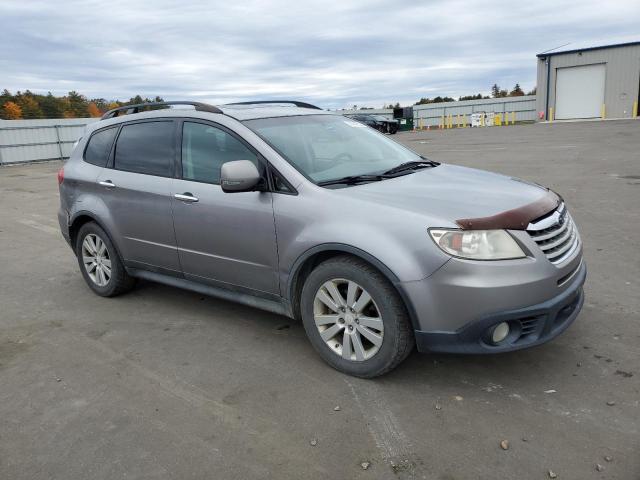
x,y
99,147
146,148
205,148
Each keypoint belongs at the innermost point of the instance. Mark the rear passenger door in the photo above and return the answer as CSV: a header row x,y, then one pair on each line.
x,y
225,239
136,188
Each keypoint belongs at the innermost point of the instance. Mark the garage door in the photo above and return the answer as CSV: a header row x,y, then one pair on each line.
x,y
580,91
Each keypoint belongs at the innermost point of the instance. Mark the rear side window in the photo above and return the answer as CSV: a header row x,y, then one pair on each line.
x,y
146,148
99,147
206,148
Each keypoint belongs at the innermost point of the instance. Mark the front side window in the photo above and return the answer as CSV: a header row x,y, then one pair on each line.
x,y
328,147
99,147
146,148
205,148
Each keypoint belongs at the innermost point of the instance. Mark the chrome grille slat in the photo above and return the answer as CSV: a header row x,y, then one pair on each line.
x,y
553,233
558,240
561,250
556,235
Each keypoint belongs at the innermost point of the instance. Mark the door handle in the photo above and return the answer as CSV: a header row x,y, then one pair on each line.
x,y
186,197
107,183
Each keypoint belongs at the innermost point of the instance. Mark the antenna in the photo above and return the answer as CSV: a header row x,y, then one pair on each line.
x,y
555,48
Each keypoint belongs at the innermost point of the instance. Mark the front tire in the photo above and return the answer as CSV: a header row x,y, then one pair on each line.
x,y
100,263
355,318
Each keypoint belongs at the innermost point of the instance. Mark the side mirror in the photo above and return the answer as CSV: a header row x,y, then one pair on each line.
x,y
239,176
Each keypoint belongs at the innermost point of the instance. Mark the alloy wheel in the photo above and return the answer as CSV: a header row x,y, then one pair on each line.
x,y
96,261
348,319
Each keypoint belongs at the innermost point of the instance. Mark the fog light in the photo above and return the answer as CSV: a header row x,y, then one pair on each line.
x,y
500,332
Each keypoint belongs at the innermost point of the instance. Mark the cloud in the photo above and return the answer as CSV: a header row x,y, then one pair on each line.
x,y
334,54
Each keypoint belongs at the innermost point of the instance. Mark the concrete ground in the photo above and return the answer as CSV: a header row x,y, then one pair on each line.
x,y
163,383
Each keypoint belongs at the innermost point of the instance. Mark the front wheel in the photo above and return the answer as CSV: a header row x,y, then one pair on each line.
x,y
354,318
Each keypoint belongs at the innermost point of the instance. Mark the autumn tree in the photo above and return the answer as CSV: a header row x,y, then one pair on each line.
x,y
497,92
93,110
11,111
517,91
29,106
77,105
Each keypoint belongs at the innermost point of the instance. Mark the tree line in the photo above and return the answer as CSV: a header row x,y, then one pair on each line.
x,y
29,105
496,92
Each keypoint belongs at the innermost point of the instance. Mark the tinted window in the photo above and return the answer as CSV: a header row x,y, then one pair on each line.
x,y
206,148
146,148
99,147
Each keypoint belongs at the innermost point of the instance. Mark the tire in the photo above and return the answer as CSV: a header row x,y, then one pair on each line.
x,y
396,332
117,281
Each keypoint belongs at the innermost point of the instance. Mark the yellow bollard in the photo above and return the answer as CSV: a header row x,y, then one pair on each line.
x,y
550,114
464,119
458,121
450,121
634,112
603,112
497,120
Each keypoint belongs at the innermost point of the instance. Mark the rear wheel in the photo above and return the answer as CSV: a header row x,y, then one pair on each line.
x,y
354,318
100,263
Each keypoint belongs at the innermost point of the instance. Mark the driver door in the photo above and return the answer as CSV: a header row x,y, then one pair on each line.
x,y
225,239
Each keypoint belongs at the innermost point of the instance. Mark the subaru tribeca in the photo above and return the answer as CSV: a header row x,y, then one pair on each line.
x,y
289,208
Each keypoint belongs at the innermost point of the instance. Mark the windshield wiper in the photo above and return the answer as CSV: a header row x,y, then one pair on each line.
x,y
352,180
413,165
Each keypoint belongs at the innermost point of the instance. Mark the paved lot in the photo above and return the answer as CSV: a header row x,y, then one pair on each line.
x,y
163,383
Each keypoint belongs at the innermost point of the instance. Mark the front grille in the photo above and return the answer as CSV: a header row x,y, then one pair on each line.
x,y
556,234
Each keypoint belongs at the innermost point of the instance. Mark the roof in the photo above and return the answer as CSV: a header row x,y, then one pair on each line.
x,y
239,112
586,49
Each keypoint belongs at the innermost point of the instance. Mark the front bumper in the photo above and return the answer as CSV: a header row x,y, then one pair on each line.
x,y
530,326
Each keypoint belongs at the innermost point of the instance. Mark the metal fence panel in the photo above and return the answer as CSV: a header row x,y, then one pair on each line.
x,y
431,114
37,140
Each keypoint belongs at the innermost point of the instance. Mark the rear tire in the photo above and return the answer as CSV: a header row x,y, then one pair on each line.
x,y
100,263
381,325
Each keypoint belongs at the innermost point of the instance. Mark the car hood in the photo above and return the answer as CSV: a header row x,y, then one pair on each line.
x,y
447,193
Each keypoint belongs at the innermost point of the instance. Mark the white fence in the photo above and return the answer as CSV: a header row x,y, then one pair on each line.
x,y
37,140
431,114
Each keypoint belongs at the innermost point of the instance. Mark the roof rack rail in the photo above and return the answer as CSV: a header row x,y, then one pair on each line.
x,y
128,109
293,102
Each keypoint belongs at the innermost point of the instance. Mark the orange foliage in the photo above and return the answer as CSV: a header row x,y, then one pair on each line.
x,y
12,111
93,110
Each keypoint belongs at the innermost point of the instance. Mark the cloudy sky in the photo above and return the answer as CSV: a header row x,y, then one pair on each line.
x,y
332,53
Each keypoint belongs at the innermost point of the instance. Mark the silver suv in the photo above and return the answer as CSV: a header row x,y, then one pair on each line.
x,y
292,209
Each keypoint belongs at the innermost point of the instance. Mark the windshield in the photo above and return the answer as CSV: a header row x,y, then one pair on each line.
x,y
328,147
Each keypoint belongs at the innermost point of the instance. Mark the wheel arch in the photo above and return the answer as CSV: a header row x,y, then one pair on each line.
x,y
306,262
83,217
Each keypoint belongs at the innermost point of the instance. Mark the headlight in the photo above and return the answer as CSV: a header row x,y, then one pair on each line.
x,y
477,244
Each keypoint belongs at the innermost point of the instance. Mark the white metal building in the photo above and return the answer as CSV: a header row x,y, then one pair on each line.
x,y
590,82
